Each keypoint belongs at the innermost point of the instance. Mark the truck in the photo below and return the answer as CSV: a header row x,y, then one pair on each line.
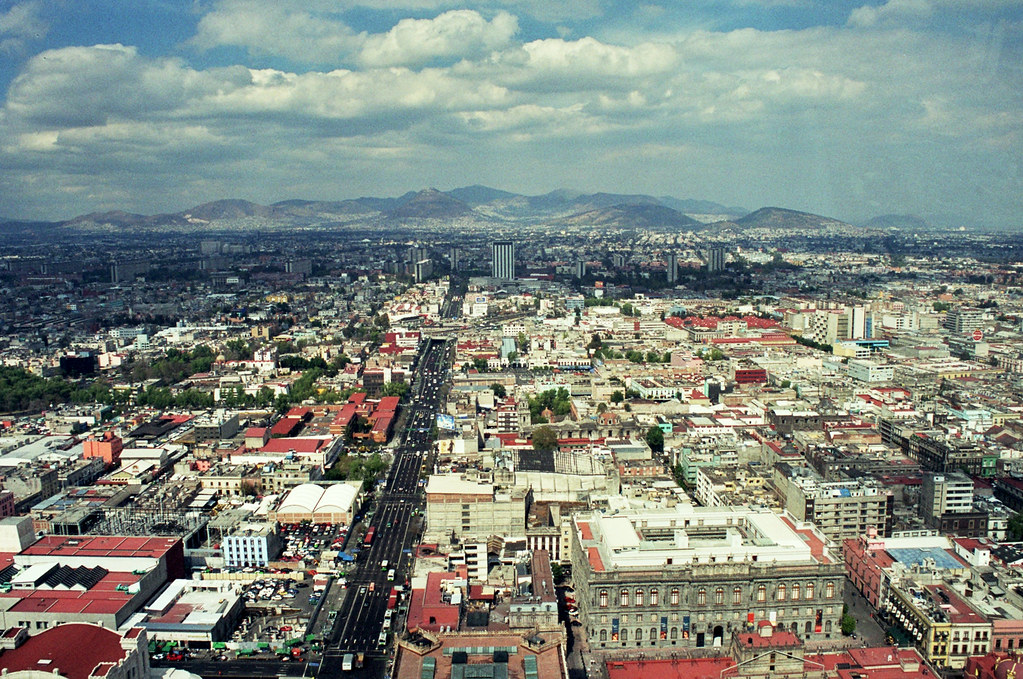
x,y
368,538
347,662
392,599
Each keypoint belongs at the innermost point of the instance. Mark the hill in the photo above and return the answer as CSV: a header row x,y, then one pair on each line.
x,y
631,217
781,218
430,204
904,222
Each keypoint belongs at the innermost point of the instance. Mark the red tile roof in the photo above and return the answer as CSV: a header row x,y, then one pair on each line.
x,y
72,649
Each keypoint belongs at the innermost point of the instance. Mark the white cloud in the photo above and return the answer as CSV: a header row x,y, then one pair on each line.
x,y
893,10
20,24
271,28
454,34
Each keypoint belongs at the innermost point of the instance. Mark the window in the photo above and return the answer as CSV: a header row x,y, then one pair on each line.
x,y
701,597
673,634
762,593
603,598
624,635
719,596
653,597
737,595
639,634
674,596
624,600
603,635
781,593
795,592
639,597
829,590
809,590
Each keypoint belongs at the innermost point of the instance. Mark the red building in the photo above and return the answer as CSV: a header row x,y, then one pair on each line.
x,y
428,609
109,448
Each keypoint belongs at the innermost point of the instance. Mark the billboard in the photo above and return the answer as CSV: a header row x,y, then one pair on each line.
x,y
446,422
614,629
664,627
685,627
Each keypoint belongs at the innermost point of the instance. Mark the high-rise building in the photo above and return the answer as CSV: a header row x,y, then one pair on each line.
x,y
417,253
618,260
453,258
945,494
963,320
503,265
672,268
715,259
580,269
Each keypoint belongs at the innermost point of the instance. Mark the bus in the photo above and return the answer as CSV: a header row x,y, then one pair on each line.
x,y
368,539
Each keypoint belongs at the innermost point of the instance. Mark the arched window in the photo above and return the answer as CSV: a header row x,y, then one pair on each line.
x,y
603,635
603,598
624,635
795,592
639,597
624,601
674,596
673,634
737,595
653,597
781,592
809,627
762,593
829,590
827,627
701,597
639,634
653,634
719,596
809,590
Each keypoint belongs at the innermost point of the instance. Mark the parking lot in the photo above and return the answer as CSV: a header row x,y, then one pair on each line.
x,y
304,543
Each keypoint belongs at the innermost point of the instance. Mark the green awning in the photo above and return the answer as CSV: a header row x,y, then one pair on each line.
x,y
219,645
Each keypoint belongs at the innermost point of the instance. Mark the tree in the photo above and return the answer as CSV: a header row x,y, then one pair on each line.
x,y
544,439
499,390
617,396
1015,527
655,439
848,624
595,342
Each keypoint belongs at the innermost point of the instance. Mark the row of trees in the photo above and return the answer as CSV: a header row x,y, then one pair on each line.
x,y
356,468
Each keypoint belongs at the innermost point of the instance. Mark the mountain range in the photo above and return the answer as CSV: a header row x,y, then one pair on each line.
x,y
467,205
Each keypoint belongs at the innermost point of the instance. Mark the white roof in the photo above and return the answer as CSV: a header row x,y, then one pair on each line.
x,y
302,498
455,484
338,497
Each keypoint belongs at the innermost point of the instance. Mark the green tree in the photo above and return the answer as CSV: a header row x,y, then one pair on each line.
x,y
499,390
848,624
544,439
398,389
1015,527
617,396
655,439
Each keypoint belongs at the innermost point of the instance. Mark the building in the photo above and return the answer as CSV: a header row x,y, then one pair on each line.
x,y
870,371
218,425
6,503
671,270
453,258
690,577
75,651
335,504
503,263
715,259
467,510
194,612
945,494
253,544
963,320
840,509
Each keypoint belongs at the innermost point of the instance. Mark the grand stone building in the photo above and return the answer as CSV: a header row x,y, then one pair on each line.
x,y
690,577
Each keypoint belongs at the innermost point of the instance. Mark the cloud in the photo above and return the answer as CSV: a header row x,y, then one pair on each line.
x,y
893,10
454,34
273,29
20,24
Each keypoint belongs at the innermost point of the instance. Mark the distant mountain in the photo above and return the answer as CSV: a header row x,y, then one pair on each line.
x,y
478,194
631,217
430,204
904,222
702,207
385,204
320,208
227,209
781,218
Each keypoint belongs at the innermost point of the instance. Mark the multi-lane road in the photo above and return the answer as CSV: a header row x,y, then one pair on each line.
x,y
397,522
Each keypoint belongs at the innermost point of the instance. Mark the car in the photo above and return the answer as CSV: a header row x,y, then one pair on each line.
x,y
175,656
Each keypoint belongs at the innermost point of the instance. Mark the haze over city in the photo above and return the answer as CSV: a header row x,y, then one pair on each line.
x,y
847,109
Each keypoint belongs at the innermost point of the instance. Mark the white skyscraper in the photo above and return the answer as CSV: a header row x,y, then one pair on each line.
x,y
503,266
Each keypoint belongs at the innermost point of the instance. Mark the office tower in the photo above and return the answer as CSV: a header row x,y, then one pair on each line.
x,y
715,259
580,269
453,258
618,260
504,260
672,268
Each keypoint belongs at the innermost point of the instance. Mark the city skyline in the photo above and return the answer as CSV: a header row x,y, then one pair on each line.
x,y
847,109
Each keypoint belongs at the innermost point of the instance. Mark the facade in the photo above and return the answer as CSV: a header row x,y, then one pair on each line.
x,y
963,320
841,509
337,503
690,577
870,371
252,545
945,493
470,510
503,265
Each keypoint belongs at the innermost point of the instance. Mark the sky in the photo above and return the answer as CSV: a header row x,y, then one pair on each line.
x,y
846,108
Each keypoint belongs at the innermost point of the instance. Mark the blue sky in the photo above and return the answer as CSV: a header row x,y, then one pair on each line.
x,y
845,108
